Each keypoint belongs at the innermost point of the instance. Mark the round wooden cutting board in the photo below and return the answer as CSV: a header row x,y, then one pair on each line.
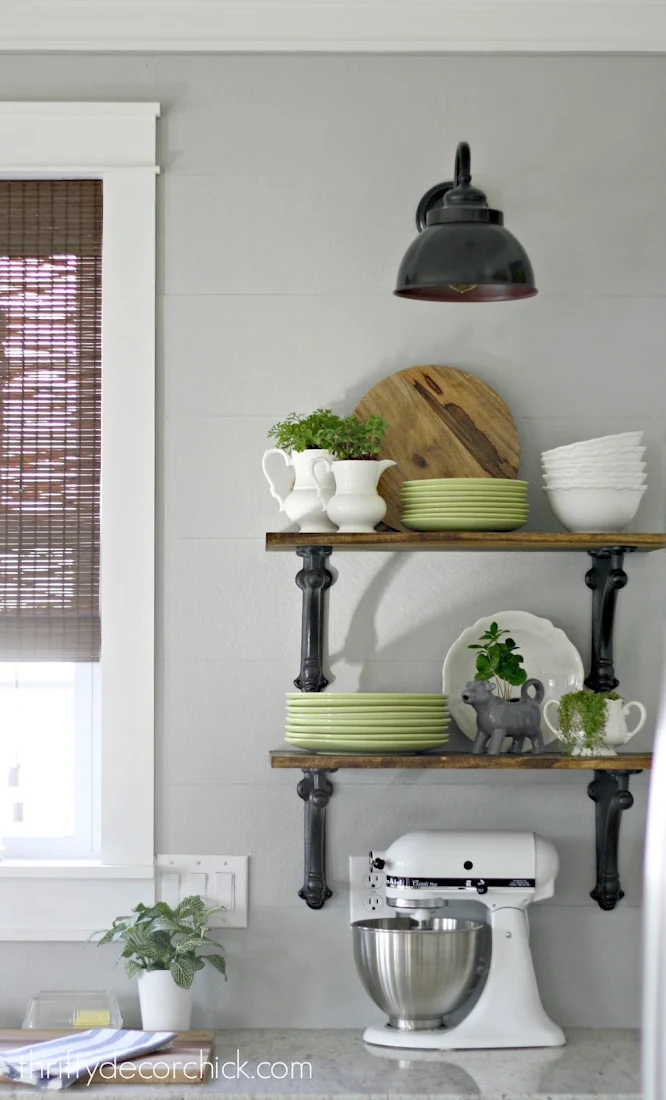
x,y
442,422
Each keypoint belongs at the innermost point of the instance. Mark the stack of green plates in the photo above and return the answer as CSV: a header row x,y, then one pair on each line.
x,y
380,722
464,504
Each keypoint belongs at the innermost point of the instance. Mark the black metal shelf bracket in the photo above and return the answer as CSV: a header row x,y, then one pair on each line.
x,y
313,580
605,578
315,788
609,790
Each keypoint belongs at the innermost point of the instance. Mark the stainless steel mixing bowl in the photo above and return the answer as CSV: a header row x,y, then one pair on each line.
x,y
417,972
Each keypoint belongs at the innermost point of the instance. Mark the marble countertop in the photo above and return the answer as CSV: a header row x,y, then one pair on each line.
x,y
595,1065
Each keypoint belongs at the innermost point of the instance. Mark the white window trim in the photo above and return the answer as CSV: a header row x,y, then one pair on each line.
x,y
114,142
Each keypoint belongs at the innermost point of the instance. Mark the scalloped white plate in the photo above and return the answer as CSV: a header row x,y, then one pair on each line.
x,y
549,656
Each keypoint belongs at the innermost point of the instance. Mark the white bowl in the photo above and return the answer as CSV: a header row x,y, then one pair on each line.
x,y
575,482
596,459
595,510
622,442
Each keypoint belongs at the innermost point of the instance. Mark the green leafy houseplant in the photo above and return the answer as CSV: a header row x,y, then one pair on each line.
x,y
583,716
499,660
353,439
158,937
303,433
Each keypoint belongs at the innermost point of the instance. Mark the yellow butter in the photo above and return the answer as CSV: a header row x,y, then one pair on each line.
x,y
89,1017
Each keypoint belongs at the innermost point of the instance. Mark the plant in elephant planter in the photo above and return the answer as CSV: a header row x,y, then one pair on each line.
x,y
499,668
166,947
356,444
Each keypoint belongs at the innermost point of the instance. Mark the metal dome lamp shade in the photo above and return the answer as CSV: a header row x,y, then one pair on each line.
x,y
463,252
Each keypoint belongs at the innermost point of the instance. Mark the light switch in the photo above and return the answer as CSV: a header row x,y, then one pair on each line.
x,y
224,894
198,884
219,880
169,889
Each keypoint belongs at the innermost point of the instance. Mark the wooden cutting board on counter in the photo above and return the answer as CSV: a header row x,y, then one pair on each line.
x,y
442,422
186,1058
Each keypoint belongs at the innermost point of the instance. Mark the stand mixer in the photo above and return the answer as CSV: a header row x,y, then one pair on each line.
x,y
422,965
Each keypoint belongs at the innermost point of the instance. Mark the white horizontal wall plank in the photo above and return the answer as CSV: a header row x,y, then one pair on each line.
x,y
330,350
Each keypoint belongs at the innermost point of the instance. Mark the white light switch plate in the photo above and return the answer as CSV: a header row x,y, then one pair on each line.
x,y
220,880
367,891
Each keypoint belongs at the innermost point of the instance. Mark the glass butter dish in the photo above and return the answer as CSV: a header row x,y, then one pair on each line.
x,y
64,1009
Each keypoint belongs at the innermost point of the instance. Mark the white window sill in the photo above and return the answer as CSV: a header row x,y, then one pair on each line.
x,y
71,868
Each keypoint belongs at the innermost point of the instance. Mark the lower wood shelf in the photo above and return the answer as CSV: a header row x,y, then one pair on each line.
x,y
297,758
609,790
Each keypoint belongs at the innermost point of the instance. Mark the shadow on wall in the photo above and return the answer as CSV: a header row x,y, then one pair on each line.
x,y
362,647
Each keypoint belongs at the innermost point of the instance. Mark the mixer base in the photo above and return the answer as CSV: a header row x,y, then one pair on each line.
x,y
457,1038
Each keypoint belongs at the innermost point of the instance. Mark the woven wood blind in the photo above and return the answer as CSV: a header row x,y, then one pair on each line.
x,y
50,393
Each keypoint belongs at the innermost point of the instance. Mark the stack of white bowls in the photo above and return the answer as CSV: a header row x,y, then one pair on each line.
x,y
596,485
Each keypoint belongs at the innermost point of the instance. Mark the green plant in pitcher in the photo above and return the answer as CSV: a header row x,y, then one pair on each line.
x,y
354,439
582,717
499,661
303,433
157,937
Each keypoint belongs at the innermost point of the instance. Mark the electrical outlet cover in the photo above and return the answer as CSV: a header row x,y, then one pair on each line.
x,y
366,886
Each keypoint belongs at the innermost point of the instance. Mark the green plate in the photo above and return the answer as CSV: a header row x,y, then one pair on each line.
x,y
467,482
466,509
463,502
462,523
340,744
376,714
365,698
401,728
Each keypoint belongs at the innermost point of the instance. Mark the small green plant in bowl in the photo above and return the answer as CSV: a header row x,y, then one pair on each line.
x,y
303,433
352,439
583,716
499,660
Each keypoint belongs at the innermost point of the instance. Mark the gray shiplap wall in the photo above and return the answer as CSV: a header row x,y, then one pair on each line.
x,y
286,201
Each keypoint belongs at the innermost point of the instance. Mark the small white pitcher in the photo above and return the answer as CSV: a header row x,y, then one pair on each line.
x,y
616,732
306,504
357,506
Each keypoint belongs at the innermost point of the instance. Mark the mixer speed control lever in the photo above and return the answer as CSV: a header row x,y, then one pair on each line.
x,y
481,887
377,864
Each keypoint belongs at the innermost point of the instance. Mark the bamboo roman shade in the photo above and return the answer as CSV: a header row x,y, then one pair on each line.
x,y
50,423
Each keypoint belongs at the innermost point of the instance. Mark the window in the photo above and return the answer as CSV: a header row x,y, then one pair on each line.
x,y
50,458
76,590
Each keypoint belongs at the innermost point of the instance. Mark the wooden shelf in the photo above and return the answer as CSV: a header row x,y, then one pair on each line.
x,y
467,540
299,758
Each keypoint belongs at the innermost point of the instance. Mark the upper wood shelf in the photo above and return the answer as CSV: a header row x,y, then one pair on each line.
x,y
298,758
466,540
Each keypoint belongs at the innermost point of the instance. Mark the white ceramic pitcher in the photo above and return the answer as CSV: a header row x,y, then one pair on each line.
x,y
356,505
306,504
616,732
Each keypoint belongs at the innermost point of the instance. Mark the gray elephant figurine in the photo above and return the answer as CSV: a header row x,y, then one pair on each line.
x,y
498,718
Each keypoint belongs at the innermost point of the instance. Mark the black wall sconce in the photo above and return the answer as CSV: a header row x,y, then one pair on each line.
x,y
463,253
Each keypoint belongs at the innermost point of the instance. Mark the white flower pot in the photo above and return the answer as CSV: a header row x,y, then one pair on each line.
x,y
356,505
616,733
164,1005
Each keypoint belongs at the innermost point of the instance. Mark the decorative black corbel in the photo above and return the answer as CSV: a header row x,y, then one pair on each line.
x,y
315,789
609,790
605,578
313,580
